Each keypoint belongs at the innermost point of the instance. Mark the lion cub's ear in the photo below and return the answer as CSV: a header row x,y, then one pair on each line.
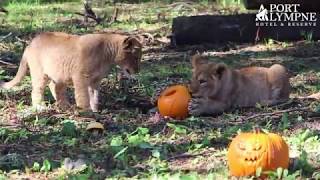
x,y
131,43
219,69
197,60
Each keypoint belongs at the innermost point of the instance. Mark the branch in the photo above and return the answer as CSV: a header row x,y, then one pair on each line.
x,y
312,96
97,19
304,109
115,15
187,155
25,42
6,36
6,63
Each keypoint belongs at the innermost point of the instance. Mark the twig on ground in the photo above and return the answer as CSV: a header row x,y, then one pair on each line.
x,y
11,125
6,63
304,109
180,156
3,146
6,36
315,96
186,155
21,40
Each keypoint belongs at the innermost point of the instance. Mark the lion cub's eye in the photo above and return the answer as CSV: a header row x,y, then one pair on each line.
x,y
201,81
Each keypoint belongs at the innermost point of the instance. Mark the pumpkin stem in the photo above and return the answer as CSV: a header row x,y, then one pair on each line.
x,y
256,129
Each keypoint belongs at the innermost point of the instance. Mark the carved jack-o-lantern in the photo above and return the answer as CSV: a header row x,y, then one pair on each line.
x,y
249,151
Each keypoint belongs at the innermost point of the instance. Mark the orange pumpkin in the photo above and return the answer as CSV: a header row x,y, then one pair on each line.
x,y
249,151
173,102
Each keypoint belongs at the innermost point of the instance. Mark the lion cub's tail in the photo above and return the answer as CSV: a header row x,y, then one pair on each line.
x,y
22,71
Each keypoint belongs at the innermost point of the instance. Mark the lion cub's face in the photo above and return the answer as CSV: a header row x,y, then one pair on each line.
x,y
206,77
130,57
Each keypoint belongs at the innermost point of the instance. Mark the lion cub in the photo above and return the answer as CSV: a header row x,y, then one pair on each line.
x,y
61,59
216,88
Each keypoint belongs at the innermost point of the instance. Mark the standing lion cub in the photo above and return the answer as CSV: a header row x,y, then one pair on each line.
x,y
216,88
61,59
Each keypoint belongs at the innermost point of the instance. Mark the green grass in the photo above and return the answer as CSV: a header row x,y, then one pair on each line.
x,y
133,146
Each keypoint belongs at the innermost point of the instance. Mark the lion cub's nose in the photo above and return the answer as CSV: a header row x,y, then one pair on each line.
x,y
201,81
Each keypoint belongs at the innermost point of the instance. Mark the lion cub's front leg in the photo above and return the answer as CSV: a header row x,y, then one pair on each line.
x,y
81,86
206,106
94,97
58,91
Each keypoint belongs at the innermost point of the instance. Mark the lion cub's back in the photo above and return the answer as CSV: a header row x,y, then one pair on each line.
x,y
253,86
278,77
276,74
260,84
54,38
53,53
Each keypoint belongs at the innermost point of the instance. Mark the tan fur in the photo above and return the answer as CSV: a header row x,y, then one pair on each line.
x,y
62,59
216,88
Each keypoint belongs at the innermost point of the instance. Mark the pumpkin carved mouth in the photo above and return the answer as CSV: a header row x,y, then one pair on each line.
x,y
254,158
252,161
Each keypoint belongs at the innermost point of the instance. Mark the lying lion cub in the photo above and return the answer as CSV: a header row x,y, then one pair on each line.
x,y
60,59
216,88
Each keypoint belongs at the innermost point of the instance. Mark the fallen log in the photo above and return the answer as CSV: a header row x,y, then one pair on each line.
x,y
234,28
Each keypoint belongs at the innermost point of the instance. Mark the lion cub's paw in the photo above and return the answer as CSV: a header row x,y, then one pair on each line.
x,y
62,105
39,108
194,107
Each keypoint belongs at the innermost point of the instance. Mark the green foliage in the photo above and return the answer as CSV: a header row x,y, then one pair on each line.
x,y
69,128
3,177
178,129
7,135
11,161
2,74
185,176
303,163
46,166
139,138
308,36
36,167
284,123
258,172
284,174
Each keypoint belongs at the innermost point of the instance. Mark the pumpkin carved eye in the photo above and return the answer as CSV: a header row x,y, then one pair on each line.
x,y
242,146
257,147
